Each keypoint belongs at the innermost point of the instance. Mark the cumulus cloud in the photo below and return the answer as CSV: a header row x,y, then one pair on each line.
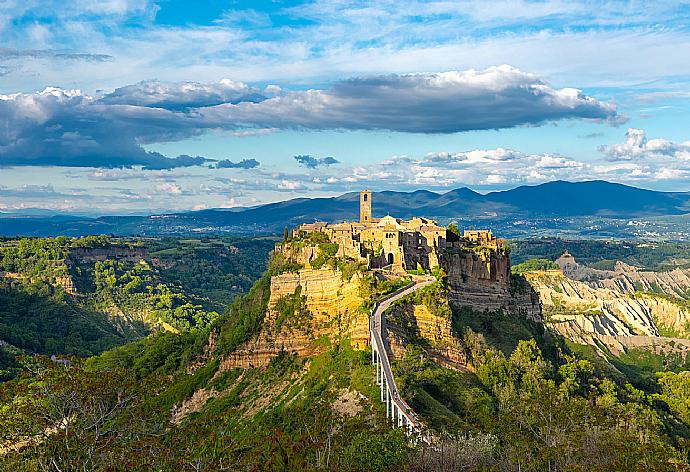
x,y
70,128
638,147
313,162
447,102
243,164
493,179
290,185
169,188
494,168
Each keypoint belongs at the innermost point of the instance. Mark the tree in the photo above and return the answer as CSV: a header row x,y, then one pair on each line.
x,y
453,228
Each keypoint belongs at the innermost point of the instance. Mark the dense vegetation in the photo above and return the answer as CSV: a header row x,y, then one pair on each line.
x,y
533,264
212,270
82,296
231,433
537,403
656,256
528,401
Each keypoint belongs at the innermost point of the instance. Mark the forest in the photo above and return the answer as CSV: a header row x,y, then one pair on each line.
x,y
75,296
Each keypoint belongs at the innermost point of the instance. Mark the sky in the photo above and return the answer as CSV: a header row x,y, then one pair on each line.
x,y
136,106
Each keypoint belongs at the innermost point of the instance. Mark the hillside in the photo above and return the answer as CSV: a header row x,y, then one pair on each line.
x,y
85,295
283,380
550,200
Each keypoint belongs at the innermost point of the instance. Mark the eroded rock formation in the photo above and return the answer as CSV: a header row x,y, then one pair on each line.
x,y
333,305
613,307
481,280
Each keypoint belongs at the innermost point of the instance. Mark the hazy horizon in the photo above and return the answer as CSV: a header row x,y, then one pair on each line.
x,y
159,106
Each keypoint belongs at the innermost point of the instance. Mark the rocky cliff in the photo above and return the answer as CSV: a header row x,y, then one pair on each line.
x,y
329,307
608,308
482,281
416,323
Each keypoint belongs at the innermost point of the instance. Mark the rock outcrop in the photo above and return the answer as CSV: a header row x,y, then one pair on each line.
x,y
575,309
333,311
482,281
407,323
613,307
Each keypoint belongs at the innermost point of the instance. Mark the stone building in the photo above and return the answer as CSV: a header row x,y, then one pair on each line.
x,y
385,243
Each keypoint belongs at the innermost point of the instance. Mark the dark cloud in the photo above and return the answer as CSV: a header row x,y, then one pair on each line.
x,y
243,164
314,162
182,95
161,162
449,102
69,128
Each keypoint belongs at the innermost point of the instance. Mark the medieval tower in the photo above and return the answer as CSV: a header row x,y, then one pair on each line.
x,y
365,206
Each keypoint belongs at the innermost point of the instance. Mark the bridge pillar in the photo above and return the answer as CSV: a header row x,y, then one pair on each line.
x,y
387,401
373,352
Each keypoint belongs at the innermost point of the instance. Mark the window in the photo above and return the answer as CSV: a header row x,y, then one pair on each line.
x,y
365,197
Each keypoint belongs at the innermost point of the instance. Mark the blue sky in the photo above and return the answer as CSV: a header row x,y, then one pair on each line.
x,y
124,106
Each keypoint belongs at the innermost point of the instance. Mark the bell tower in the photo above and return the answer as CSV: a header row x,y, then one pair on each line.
x,y
365,206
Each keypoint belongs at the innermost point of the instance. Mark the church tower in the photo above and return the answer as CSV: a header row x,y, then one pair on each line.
x,y
365,206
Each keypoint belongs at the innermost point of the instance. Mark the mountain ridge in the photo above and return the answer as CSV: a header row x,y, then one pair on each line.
x,y
551,199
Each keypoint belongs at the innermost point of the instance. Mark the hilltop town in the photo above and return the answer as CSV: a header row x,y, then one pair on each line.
x,y
397,245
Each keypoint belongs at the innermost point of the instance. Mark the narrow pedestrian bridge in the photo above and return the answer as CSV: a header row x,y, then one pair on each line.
x,y
396,408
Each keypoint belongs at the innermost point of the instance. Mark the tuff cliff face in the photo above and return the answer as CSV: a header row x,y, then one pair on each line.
x,y
407,323
307,304
326,305
481,280
610,308
570,302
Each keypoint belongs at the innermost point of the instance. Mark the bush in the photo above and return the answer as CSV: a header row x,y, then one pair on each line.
x,y
534,264
244,317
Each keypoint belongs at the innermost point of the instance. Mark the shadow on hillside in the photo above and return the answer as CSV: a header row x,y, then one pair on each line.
x,y
34,319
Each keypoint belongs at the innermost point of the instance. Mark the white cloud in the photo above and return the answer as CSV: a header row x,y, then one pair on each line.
x,y
446,102
638,147
71,128
670,174
169,188
290,185
183,95
493,179
333,39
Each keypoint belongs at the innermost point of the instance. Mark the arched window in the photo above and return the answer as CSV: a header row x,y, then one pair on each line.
x,y
365,197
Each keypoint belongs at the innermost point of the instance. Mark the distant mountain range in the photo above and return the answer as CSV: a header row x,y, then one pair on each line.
x,y
549,200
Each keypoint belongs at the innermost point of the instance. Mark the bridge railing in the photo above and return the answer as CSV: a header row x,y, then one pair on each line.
x,y
392,394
